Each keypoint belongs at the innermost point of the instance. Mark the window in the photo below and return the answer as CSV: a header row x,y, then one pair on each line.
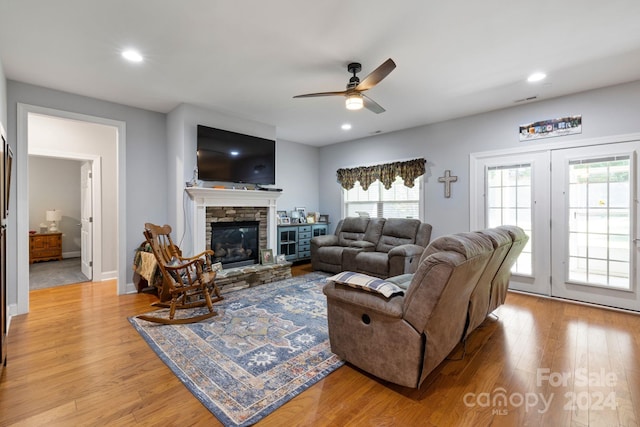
x,y
397,202
599,221
509,203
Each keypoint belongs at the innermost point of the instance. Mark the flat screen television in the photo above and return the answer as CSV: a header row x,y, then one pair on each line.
x,y
234,157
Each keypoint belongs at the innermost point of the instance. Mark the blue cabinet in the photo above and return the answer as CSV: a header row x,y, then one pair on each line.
x,y
294,240
288,242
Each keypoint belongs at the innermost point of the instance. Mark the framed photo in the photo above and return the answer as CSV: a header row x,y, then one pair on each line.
x,y
302,212
311,219
285,220
282,214
323,218
281,259
266,256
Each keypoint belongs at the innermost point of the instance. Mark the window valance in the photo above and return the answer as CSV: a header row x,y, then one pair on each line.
x,y
386,173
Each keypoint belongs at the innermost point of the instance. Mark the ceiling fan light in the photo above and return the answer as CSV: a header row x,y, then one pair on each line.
x,y
354,102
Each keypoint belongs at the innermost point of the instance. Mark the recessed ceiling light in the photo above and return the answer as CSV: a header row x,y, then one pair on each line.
x,y
536,77
346,126
132,55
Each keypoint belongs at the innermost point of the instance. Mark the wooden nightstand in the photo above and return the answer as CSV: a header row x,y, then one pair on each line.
x,y
45,247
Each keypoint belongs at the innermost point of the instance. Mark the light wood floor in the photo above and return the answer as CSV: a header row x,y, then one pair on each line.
x,y
75,360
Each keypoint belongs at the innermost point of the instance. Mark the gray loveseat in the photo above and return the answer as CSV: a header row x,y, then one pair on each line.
x,y
460,280
376,246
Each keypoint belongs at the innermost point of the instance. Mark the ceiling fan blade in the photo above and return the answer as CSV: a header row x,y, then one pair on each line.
x,y
376,75
312,95
372,105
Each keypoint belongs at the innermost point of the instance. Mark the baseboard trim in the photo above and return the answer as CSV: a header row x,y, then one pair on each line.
x,y
106,275
571,301
131,288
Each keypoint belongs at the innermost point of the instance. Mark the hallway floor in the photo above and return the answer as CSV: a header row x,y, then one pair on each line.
x,y
47,274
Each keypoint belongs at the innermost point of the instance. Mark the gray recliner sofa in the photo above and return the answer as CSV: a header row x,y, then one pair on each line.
x,y
460,280
375,246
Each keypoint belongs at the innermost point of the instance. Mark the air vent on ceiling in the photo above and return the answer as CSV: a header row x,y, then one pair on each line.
x,y
531,98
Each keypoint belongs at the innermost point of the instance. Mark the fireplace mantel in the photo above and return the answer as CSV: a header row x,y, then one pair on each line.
x,y
201,198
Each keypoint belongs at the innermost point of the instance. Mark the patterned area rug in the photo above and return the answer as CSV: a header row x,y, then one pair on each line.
x,y
266,345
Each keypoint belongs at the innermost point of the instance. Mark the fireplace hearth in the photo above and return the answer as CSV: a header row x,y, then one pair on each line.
x,y
235,244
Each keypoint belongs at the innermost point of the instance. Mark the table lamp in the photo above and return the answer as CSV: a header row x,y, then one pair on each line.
x,y
53,216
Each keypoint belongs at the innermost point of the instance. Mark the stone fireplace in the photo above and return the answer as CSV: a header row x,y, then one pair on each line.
x,y
210,205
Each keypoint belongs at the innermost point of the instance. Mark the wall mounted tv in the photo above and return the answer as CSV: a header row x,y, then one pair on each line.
x,y
233,157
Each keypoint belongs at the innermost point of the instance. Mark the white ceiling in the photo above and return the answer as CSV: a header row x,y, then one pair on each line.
x,y
249,58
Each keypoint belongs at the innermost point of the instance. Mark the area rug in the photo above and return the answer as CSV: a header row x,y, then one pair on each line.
x,y
266,345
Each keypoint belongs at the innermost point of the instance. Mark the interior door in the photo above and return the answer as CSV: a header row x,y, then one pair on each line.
x,y
595,224
86,220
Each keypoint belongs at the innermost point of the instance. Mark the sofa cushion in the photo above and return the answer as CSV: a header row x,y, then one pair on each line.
x,y
396,232
367,283
331,254
352,229
374,230
373,263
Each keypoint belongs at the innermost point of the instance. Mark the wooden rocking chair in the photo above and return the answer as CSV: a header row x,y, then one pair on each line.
x,y
186,282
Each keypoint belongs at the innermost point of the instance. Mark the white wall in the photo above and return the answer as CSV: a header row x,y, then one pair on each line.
x,y
297,169
447,145
55,184
145,167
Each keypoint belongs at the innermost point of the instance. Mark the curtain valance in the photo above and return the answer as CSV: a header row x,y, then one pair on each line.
x,y
386,173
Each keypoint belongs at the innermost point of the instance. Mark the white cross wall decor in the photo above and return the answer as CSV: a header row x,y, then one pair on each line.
x,y
447,179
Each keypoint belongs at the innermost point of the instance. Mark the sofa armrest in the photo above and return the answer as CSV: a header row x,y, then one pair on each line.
x,y
326,240
404,259
367,301
407,250
363,245
349,258
403,280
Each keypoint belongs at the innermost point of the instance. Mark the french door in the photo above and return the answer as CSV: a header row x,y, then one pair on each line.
x,y
594,228
579,208
513,190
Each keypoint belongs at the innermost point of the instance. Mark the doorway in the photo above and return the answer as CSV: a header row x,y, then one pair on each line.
x,y
578,204
117,232
64,183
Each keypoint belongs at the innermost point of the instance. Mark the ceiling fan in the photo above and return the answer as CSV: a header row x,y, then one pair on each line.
x,y
355,98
